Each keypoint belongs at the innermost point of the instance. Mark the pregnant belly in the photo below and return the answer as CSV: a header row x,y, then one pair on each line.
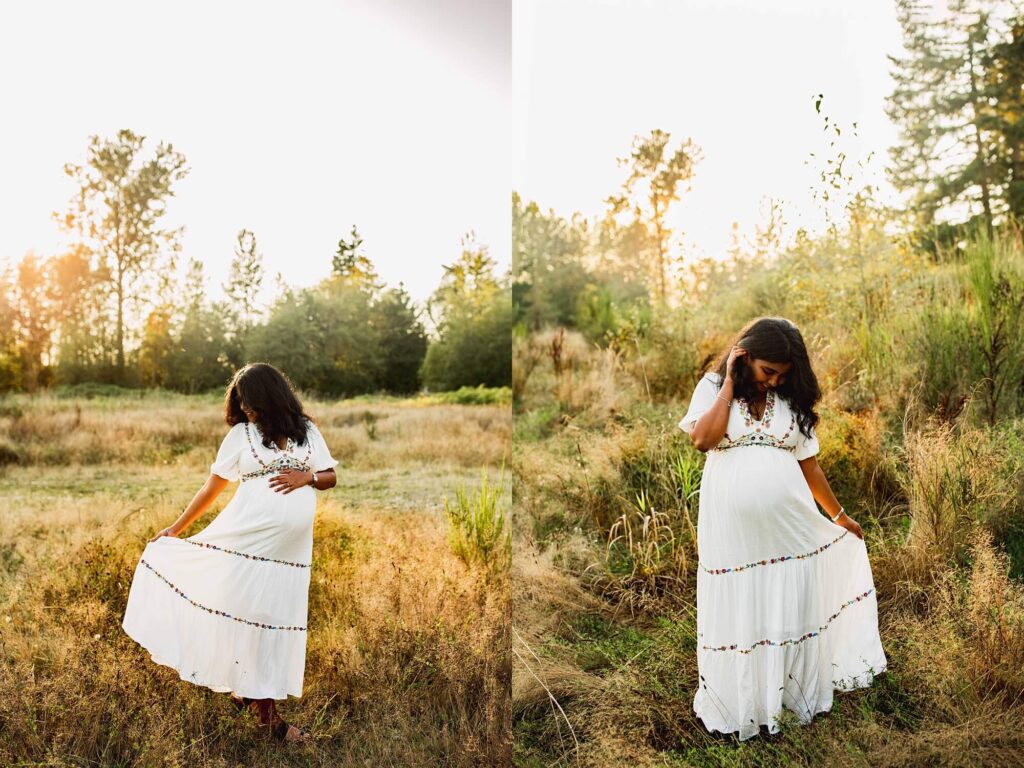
x,y
755,499
261,521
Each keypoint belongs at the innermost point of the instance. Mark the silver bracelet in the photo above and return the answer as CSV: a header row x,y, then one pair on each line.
x,y
719,397
838,514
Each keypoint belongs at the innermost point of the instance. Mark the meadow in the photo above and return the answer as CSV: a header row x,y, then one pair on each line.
x,y
408,658
922,443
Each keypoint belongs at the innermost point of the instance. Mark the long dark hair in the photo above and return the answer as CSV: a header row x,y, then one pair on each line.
x,y
267,391
777,340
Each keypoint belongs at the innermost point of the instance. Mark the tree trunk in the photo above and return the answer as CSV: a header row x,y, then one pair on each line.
x,y
120,324
986,202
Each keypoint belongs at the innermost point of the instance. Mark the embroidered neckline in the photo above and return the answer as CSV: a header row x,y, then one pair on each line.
x,y
766,418
289,444
792,640
284,461
772,560
760,437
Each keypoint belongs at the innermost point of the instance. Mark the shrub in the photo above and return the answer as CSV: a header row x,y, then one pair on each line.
x,y
478,530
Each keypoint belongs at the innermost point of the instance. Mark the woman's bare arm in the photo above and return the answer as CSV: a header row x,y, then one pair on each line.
x,y
326,479
820,489
200,502
822,493
709,428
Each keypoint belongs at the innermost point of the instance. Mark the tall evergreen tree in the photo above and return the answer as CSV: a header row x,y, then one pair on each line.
x,y
245,279
241,308
956,101
350,266
401,337
1005,82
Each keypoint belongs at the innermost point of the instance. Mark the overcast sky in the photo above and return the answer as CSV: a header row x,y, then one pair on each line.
x,y
736,76
298,120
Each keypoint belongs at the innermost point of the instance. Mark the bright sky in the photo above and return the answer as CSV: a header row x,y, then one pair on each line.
x,y
298,120
737,76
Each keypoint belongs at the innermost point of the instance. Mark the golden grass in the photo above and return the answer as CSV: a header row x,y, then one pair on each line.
x,y
408,659
175,430
597,685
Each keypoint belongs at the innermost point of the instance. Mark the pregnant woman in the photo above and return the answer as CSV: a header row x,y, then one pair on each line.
x,y
786,606
227,607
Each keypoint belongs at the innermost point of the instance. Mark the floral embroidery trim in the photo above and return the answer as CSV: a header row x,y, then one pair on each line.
x,y
772,560
792,640
245,554
766,417
276,466
757,437
213,611
288,447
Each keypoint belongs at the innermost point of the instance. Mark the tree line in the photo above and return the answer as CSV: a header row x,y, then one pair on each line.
x,y
111,309
958,104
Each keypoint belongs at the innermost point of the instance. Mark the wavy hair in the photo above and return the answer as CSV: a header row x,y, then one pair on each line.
x,y
267,391
776,340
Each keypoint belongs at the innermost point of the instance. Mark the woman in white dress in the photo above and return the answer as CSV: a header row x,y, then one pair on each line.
x,y
227,606
786,606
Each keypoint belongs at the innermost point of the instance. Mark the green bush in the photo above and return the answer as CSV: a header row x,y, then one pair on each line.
x,y
479,395
478,529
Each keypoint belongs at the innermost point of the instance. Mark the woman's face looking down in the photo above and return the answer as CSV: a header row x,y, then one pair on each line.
x,y
767,374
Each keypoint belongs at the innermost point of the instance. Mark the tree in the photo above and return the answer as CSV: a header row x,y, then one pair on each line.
x,y
468,280
10,358
917,76
157,348
79,294
242,288
657,178
1005,82
350,267
118,207
401,337
198,360
323,339
33,321
245,279
547,264
472,312
957,103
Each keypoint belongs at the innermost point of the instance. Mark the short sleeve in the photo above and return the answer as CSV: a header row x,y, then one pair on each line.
x,y
806,446
229,454
322,459
701,400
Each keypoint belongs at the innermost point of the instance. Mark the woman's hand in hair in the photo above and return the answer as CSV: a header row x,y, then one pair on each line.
x,y
736,352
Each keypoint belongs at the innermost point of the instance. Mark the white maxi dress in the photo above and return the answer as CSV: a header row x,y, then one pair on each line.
x,y
786,604
226,608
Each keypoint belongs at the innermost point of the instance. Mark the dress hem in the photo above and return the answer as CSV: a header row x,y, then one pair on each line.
x,y
216,687
773,727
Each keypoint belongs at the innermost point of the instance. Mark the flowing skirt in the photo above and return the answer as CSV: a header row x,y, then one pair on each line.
x,y
227,608
786,605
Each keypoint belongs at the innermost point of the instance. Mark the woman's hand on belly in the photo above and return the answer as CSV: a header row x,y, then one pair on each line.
x,y
288,480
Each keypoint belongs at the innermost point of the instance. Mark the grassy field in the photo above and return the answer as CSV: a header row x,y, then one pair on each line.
x,y
408,659
605,624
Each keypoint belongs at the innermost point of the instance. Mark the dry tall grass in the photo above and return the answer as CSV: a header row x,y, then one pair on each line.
x,y
605,661
408,659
